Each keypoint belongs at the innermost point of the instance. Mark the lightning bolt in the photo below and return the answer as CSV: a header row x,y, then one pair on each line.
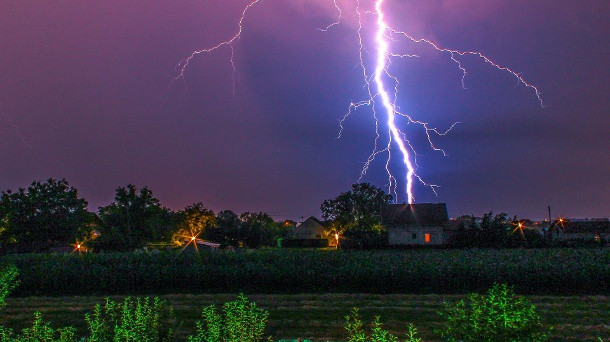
x,y
382,88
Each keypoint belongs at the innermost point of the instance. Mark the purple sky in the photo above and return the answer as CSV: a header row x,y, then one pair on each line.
x,y
86,95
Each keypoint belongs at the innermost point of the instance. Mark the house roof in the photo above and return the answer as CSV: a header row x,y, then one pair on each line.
x,y
580,227
421,214
311,220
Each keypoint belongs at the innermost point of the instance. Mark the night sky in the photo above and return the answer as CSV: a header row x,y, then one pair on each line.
x,y
86,94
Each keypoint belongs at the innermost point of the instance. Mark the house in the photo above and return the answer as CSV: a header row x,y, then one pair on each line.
x,y
312,228
310,233
575,231
415,224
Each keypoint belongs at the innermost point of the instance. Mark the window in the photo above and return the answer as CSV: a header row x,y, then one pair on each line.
x,y
427,237
413,236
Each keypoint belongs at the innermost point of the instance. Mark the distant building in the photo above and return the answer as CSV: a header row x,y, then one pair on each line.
x,y
415,224
312,228
578,230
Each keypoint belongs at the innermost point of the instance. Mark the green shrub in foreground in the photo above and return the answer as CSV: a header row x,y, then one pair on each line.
x,y
353,325
39,332
8,281
497,316
240,321
133,320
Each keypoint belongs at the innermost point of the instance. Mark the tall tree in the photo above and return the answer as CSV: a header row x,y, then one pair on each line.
x,y
135,217
257,229
357,209
195,221
495,230
228,228
44,212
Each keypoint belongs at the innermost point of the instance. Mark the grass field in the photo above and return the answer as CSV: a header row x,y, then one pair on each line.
x,y
320,317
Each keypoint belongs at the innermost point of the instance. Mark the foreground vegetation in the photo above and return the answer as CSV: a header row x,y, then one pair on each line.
x,y
530,271
498,315
321,317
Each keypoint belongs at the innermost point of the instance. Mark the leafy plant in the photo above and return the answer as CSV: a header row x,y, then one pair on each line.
x,y
354,327
134,321
498,316
240,321
8,281
40,331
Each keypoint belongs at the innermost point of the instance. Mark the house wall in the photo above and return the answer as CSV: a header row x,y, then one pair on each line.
x,y
405,236
580,236
309,229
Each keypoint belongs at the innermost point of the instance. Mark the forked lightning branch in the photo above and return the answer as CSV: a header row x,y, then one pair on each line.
x,y
382,86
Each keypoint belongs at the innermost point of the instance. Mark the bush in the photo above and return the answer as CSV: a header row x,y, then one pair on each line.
x,y
498,316
39,332
8,281
353,325
138,320
240,321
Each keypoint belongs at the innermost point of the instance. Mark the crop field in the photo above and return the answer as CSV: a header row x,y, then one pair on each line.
x,y
564,271
320,317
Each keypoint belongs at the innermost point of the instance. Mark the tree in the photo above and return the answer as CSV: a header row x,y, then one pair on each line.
x,y
195,221
48,212
355,213
495,230
257,229
135,217
228,228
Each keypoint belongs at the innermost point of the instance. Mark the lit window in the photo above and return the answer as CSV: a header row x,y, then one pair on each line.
x,y
427,237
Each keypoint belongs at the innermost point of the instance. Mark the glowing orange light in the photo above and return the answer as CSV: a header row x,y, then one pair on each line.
x,y
78,246
193,238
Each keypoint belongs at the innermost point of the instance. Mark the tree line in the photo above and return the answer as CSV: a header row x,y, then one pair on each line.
x,y
52,213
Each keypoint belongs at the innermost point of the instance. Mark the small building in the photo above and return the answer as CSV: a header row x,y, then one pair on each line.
x,y
415,224
310,233
312,228
583,231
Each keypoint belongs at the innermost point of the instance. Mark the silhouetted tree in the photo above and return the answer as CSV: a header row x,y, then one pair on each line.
x,y
135,217
194,220
228,228
355,214
46,212
258,229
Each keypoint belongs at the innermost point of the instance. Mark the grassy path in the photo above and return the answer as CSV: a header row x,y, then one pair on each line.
x,y
321,316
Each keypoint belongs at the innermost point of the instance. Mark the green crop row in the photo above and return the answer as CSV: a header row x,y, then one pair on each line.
x,y
529,271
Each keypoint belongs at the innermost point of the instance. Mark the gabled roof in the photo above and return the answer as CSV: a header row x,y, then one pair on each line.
x,y
421,214
580,227
309,221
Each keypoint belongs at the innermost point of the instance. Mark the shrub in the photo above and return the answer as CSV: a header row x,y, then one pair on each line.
x,y
497,316
353,325
39,332
8,282
138,320
240,321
